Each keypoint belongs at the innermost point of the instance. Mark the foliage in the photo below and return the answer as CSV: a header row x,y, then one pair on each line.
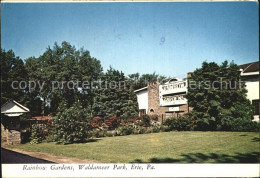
x,y
65,66
112,122
216,92
240,125
124,130
114,96
156,129
146,120
111,133
165,128
182,123
138,81
97,122
37,134
50,138
141,129
71,125
98,133
13,70
149,130
62,63
154,117
139,122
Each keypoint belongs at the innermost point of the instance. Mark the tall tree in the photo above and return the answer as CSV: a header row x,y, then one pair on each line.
x,y
217,94
90,71
12,70
138,81
60,71
115,96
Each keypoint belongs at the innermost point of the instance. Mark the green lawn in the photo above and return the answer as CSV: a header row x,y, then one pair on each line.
x,y
165,147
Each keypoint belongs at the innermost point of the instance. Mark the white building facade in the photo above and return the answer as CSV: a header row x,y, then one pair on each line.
x,y
142,99
250,75
172,95
169,98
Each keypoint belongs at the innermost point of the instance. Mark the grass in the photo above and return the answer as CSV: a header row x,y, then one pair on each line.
x,y
164,147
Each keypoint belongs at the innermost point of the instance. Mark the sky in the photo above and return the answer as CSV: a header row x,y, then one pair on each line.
x,y
168,38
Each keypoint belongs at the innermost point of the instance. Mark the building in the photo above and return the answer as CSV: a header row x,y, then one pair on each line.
x,y
142,99
168,99
172,96
164,100
41,121
10,122
250,75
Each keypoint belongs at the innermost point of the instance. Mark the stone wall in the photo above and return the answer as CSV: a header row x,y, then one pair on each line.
x,y
10,134
153,100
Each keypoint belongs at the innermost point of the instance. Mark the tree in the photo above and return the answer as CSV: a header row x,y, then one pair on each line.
x,y
138,81
58,70
114,96
217,94
33,70
89,71
12,69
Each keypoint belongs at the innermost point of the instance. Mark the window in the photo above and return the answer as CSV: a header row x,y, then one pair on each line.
x,y
151,110
256,106
142,112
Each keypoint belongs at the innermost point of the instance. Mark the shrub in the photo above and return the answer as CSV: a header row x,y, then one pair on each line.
x,y
149,130
71,125
156,129
146,120
96,122
50,138
112,122
130,120
118,131
165,128
95,133
37,135
155,123
141,130
125,130
99,133
244,125
154,117
139,122
205,124
183,123
111,133
169,122
135,131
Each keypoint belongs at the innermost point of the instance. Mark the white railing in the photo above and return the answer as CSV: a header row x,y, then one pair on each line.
x,y
175,87
172,100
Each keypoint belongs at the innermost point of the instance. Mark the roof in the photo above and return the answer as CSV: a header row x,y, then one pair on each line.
x,y
141,89
13,108
250,67
42,117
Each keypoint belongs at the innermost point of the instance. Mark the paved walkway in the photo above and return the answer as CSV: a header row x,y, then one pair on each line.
x,y
11,157
17,156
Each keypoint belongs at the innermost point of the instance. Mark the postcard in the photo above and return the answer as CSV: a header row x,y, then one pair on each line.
x,y
129,89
